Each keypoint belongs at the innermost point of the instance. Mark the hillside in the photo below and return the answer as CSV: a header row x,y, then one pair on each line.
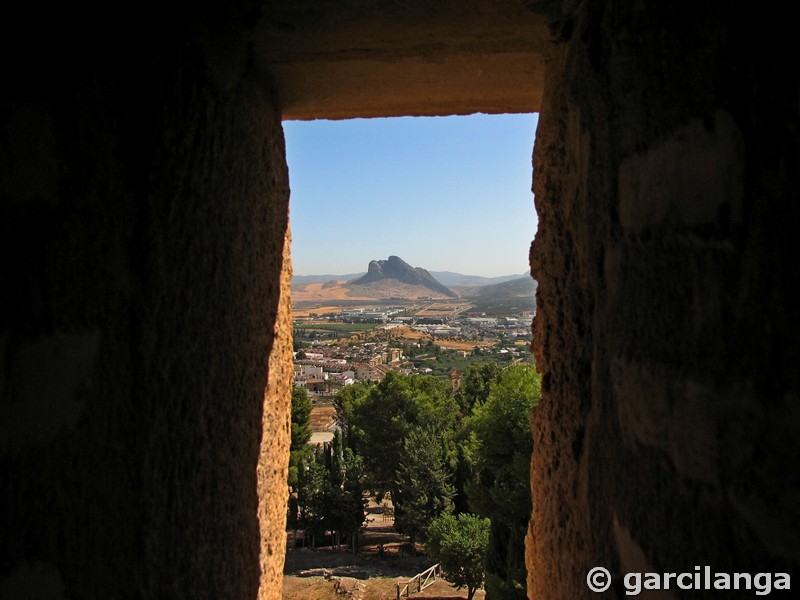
x,y
446,278
523,286
380,285
509,297
452,280
303,279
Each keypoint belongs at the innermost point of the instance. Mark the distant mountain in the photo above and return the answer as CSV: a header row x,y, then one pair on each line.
x,y
383,272
522,286
505,293
451,279
505,298
303,279
447,278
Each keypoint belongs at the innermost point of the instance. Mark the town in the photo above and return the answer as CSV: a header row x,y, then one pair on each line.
x,y
337,346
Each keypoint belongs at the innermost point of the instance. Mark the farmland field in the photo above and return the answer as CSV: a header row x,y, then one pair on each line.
x,y
331,330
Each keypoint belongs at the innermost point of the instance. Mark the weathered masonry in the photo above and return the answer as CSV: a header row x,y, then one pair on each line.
x,y
144,346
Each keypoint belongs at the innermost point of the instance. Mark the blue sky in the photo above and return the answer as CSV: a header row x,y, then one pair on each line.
x,y
442,193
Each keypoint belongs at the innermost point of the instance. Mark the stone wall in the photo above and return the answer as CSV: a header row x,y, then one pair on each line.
x,y
144,324
665,174
144,314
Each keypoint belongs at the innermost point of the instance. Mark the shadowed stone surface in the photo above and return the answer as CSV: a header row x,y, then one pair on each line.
x,y
144,316
342,60
668,432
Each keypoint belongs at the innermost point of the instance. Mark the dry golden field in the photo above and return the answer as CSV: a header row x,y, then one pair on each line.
x,y
319,310
325,292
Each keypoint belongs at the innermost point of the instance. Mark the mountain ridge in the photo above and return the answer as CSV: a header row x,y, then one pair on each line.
x,y
521,286
302,279
447,278
450,278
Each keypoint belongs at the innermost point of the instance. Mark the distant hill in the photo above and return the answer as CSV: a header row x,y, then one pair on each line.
x,y
383,275
447,278
451,279
338,287
505,298
522,286
303,279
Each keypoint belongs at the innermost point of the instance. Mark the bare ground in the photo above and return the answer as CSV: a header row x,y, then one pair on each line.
x,y
369,575
323,417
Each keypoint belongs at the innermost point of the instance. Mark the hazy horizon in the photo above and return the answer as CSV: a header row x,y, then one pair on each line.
x,y
364,270
442,193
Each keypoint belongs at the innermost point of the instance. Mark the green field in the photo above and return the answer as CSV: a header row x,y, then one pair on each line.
x,y
331,330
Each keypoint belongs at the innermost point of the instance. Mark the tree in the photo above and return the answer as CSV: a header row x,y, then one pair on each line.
x,y
501,447
301,418
310,496
345,402
459,544
301,432
475,385
329,495
353,502
424,483
343,492
380,417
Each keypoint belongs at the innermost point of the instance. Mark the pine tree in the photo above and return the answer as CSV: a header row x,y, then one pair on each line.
x,y
424,482
501,450
344,495
299,449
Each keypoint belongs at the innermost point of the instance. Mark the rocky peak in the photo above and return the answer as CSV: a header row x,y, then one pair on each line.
x,y
396,268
